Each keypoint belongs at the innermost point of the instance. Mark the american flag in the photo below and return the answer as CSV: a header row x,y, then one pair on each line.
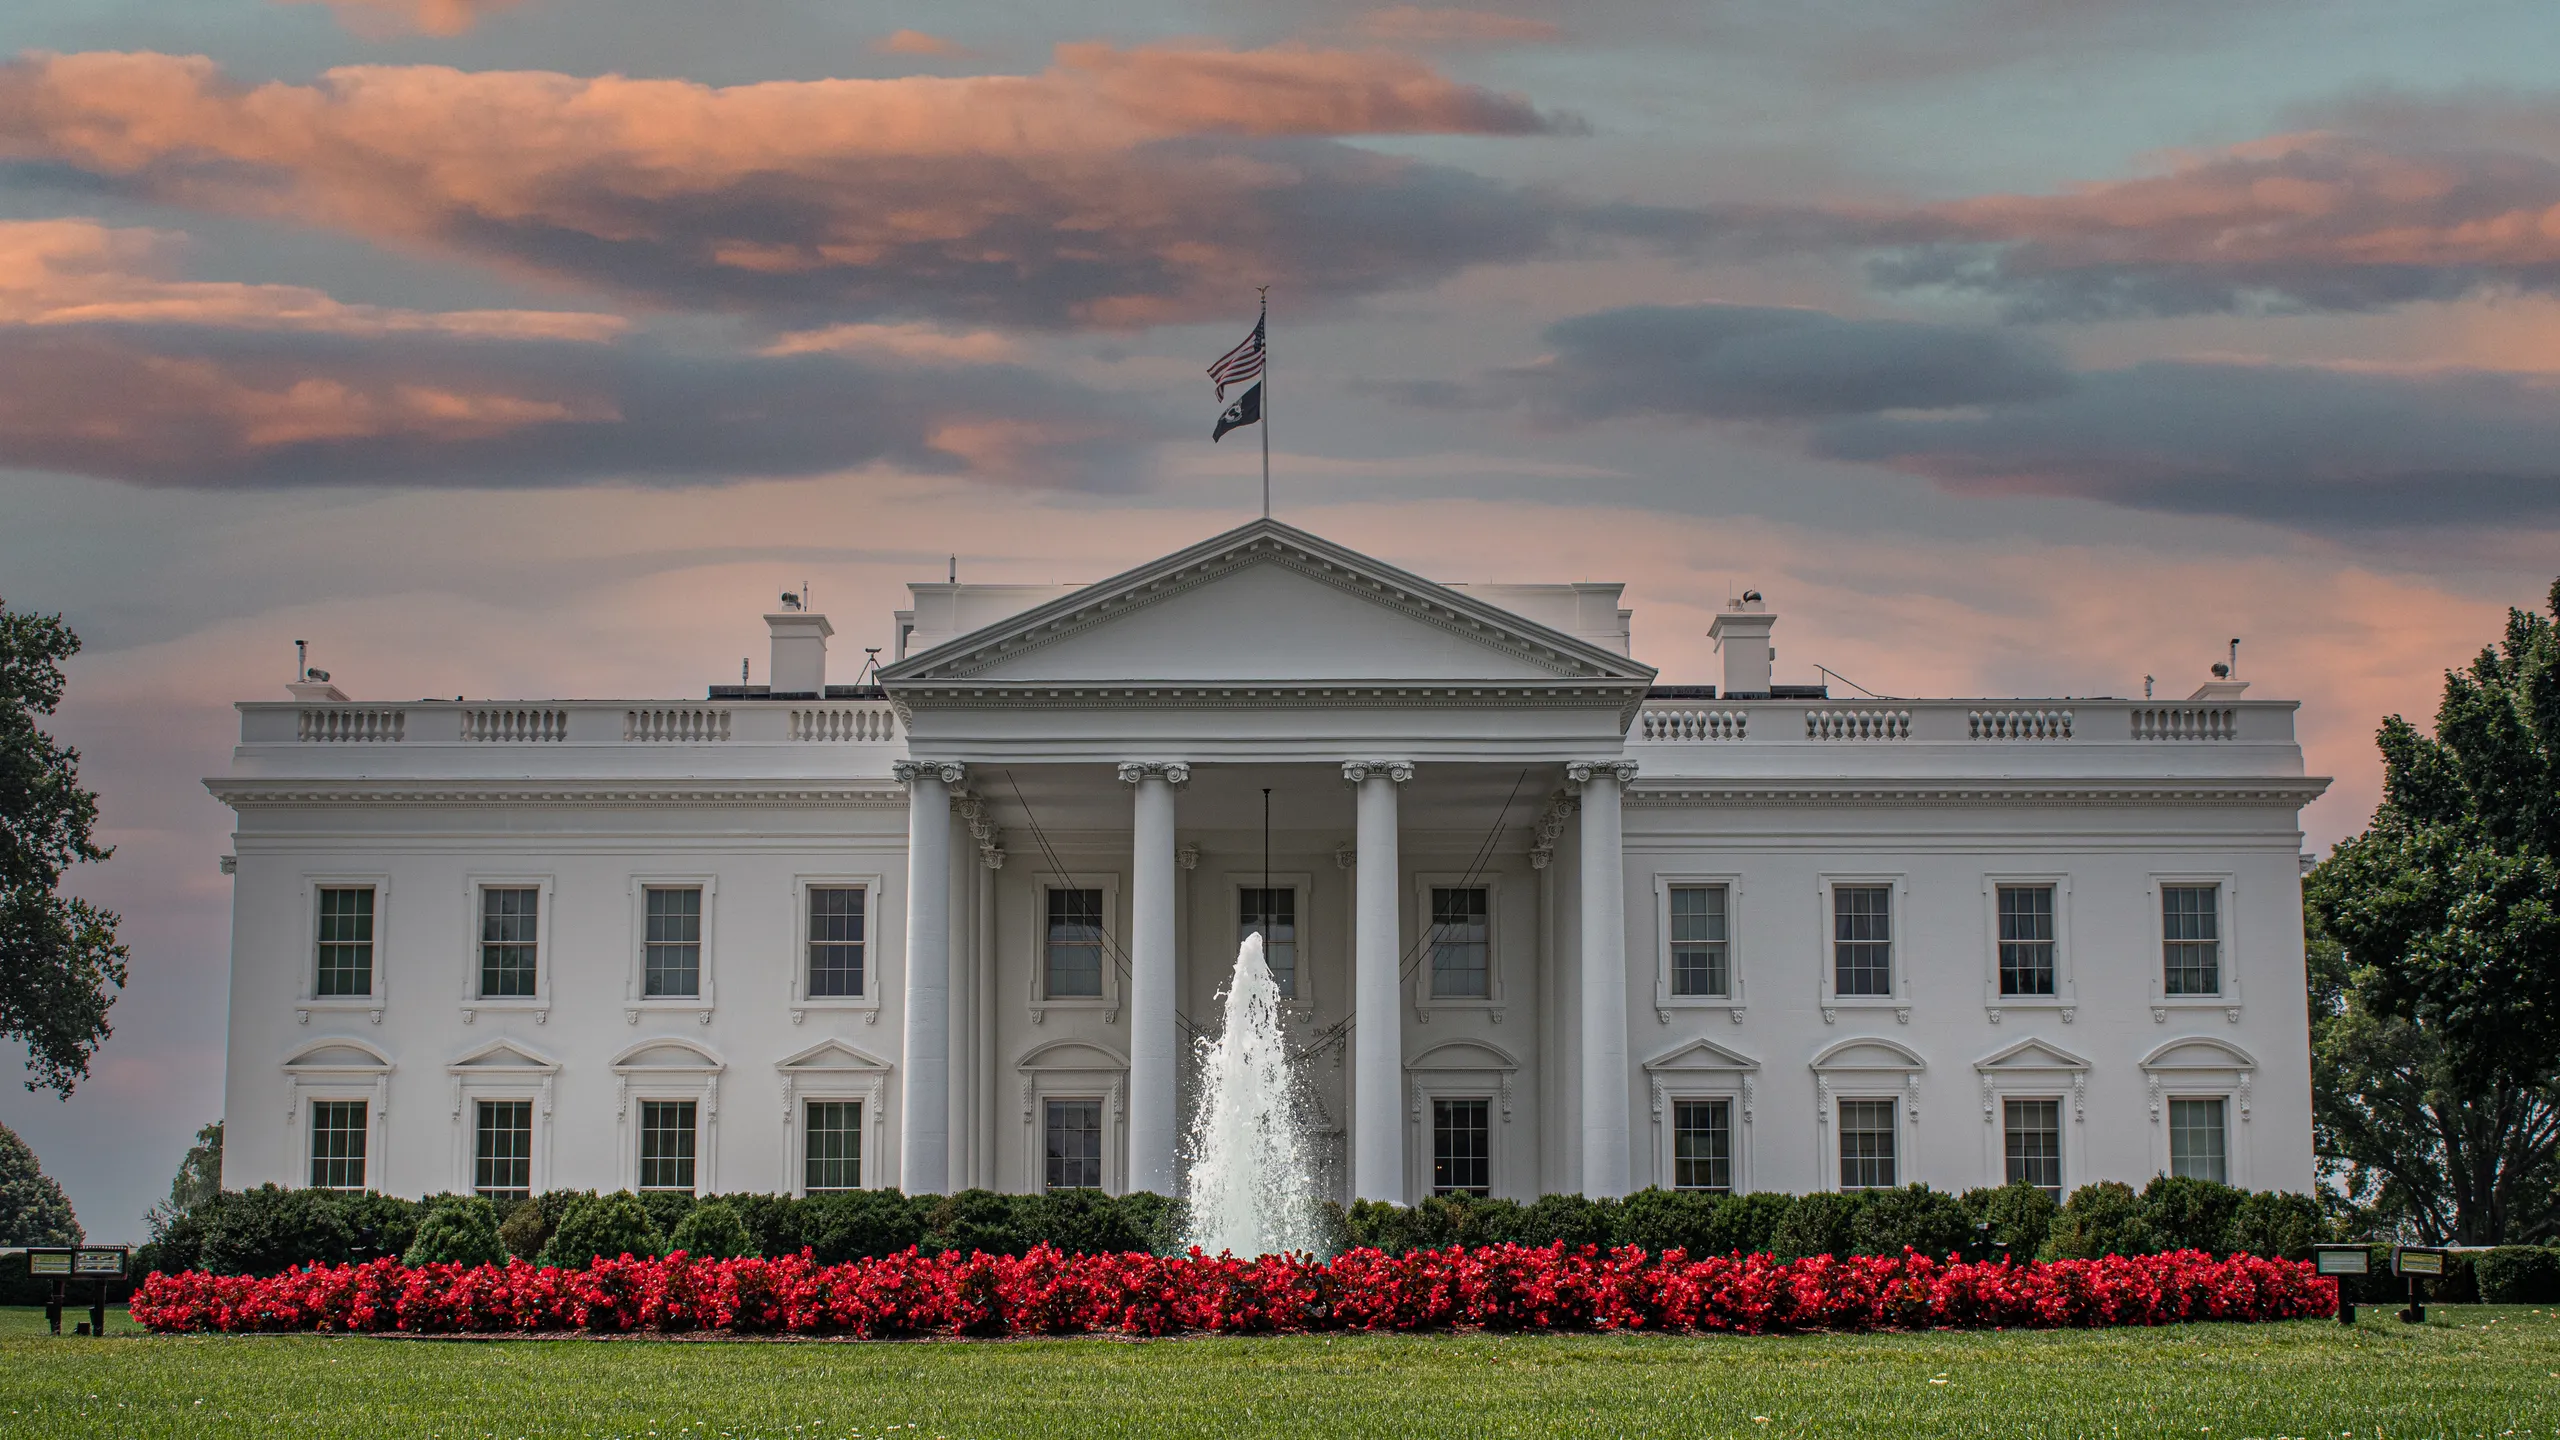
x,y
1242,363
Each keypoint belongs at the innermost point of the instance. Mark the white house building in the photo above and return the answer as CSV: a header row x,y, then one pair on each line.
x,y
1546,924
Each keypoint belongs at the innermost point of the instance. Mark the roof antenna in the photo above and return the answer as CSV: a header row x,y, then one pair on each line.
x,y
742,669
301,661
2146,687
2235,657
870,665
955,569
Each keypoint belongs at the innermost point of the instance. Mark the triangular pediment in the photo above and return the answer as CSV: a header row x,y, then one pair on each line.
x,y
1700,1055
2031,1054
830,1055
1266,603
502,1055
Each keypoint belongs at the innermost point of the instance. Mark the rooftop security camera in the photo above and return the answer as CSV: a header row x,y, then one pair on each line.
x,y
318,674
1750,597
2221,671
790,601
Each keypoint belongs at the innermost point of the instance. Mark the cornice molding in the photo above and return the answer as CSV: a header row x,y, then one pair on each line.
x,y
573,794
1673,794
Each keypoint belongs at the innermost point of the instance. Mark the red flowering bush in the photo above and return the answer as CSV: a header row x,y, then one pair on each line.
x,y
1047,1292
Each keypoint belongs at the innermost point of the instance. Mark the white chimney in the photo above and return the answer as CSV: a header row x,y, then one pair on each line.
x,y
1742,632
799,653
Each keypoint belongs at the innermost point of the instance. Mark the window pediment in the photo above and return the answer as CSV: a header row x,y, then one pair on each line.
x,y
2030,1055
1870,1053
1464,1055
1700,1055
665,1055
1072,1055
2199,1052
502,1055
338,1056
830,1056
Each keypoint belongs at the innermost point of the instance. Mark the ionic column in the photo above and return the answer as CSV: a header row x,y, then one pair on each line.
x,y
924,1087
1377,940
1153,1046
1605,1167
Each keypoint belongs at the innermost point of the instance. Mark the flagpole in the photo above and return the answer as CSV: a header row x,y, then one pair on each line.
x,y
1264,324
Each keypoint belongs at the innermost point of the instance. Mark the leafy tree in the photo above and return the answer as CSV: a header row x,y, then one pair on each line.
x,y
198,1181
33,1209
2435,966
58,956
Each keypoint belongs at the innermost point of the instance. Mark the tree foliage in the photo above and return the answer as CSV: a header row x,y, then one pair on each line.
x,y
198,1182
33,1209
59,959
2435,961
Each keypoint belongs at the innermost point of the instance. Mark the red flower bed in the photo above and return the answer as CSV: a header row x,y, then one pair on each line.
x,y
1499,1287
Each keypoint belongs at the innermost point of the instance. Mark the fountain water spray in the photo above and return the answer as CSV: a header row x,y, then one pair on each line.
x,y
1252,1175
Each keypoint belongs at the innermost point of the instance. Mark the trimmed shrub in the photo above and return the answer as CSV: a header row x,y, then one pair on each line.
x,y
526,1229
1914,1217
602,1227
2101,1219
1378,1225
2276,1224
712,1231
1659,1220
1568,1220
458,1230
2016,1216
271,1229
1815,1224
984,1221
667,1208
2191,1214
1748,1224
1081,1222
1163,1220
776,1224
859,1225
2519,1275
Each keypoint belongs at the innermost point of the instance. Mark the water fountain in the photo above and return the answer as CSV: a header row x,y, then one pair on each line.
x,y
1251,1178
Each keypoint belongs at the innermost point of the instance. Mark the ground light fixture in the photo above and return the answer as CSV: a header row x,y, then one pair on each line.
x,y
2342,1261
2413,1261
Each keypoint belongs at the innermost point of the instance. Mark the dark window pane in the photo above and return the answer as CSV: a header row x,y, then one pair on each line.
x,y
337,1144
502,1150
346,942
834,1148
1273,914
1866,1144
1461,1148
510,922
666,1144
1073,957
2191,922
1862,939
836,941
1072,1145
1698,958
1461,944
2197,1141
2034,1133
2026,939
673,960
1701,1145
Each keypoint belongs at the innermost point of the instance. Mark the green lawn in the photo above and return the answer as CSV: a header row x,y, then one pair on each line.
x,y
2471,1370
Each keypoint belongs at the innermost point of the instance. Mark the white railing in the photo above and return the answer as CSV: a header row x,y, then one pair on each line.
x,y
507,724
1694,724
367,726
1857,725
2184,723
845,722
685,723
2019,724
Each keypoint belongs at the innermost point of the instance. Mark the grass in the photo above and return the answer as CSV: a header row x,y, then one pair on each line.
x,y
2470,1371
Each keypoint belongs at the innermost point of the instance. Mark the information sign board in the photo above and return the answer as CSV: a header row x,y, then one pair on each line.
x,y
2421,1262
98,1260
48,1262
2343,1259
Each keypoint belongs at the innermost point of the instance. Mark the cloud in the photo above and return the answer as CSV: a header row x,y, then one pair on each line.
x,y
379,18
921,344
1442,25
76,271
916,42
1118,187
1985,411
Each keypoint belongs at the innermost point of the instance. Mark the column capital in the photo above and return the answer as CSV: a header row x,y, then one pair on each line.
x,y
1172,772
1580,772
908,772
1356,771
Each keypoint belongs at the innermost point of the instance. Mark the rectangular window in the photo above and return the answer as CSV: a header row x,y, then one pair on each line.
x,y
834,1149
510,924
666,1144
1701,1145
2196,1141
1461,944
1698,962
346,941
2190,921
1273,914
502,1150
1862,939
337,1144
2026,939
1461,1147
672,962
2034,1133
1071,1143
835,941
1866,1145
1072,961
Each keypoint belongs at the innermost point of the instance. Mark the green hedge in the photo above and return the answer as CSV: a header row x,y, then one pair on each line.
x,y
263,1231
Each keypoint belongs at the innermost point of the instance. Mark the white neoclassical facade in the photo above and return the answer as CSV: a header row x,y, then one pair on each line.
x,y
1546,924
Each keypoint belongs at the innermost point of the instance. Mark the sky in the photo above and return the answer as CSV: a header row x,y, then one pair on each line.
x,y
528,348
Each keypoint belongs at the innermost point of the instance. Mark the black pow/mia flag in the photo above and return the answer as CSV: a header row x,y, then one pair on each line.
x,y
1246,411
